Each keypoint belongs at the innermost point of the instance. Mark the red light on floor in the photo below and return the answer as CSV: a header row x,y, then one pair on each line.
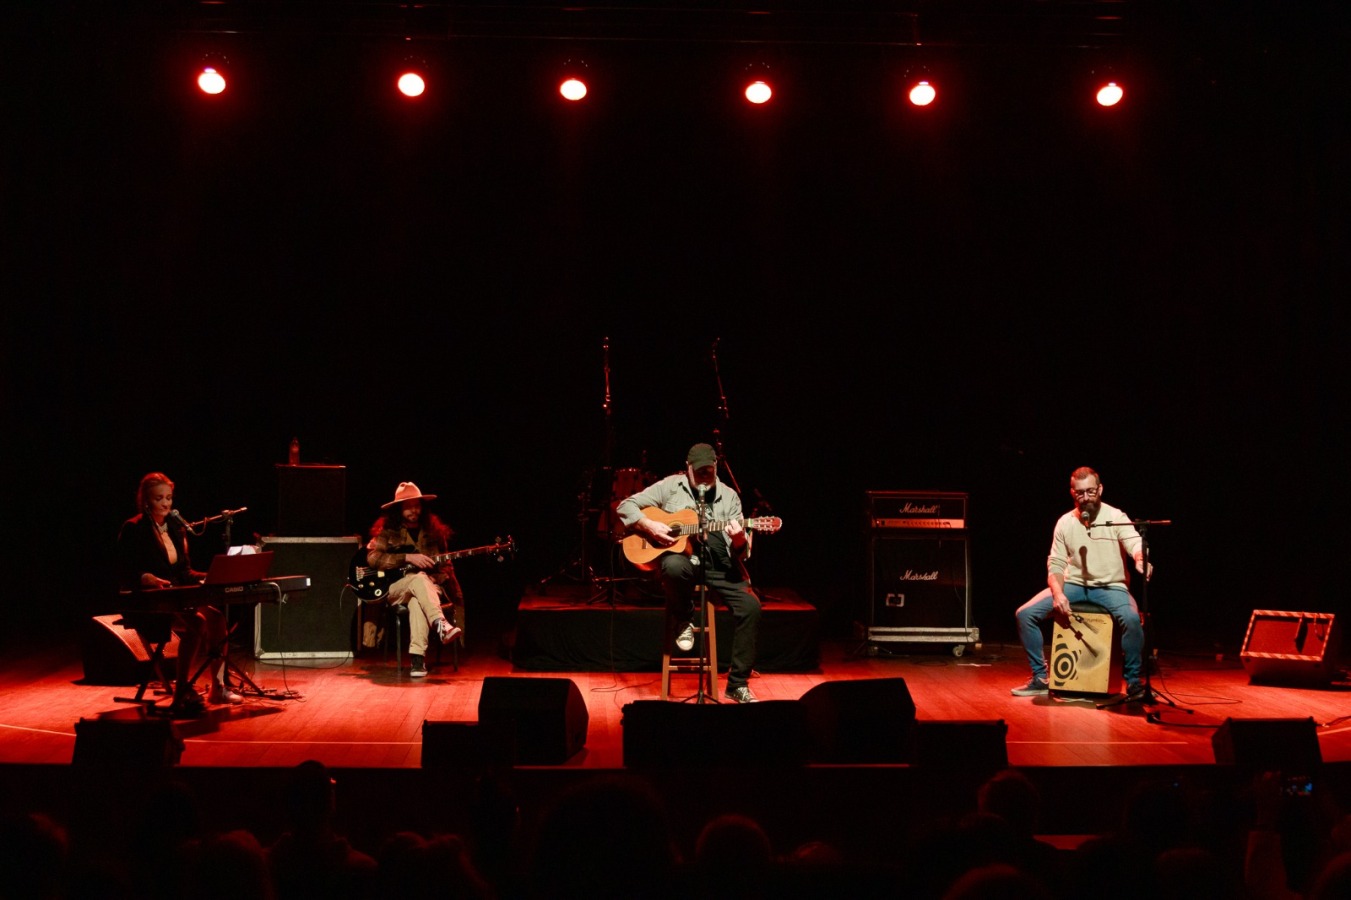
x,y
210,81
1110,94
572,89
922,93
411,84
758,92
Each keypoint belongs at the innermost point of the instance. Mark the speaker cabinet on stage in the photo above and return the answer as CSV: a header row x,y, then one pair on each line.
x,y
661,734
313,623
978,747
116,654
468,746
864,721
126,743
1269,745
546,716
1291,646
311,500
920,588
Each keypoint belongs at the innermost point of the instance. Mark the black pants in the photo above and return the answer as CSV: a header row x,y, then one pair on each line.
x,y
680,576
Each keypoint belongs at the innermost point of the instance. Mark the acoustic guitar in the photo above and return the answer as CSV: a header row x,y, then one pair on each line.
x,y
683,523
372,584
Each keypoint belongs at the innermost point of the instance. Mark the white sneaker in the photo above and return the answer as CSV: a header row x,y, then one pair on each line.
x,y
685,640
742,694
446,631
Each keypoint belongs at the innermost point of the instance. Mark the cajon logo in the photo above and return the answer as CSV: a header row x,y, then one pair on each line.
x,y
1064,663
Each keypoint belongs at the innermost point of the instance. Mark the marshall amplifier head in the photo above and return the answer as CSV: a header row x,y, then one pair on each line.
x,y
916,511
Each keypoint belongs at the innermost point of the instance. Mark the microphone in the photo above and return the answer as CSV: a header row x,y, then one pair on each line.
x,y
177,517
1086,516
703,491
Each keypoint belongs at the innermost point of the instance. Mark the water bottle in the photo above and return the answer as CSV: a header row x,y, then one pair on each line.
x,y
293,456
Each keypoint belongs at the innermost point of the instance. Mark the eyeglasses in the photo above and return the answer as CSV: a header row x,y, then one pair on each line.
x,y
1086,492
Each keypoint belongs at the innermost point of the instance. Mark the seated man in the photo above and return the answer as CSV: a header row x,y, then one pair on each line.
x,y
1087,563
696,487
409,534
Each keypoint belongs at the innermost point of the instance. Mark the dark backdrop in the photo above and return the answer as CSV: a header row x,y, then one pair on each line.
x,y
978,298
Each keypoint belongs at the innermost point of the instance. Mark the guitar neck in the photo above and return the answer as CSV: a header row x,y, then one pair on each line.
x,y
712,525
460,554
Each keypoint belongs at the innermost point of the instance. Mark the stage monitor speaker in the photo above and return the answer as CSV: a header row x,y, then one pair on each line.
x,y
116,654
919,580
547,716
468,746
313,623
311,500
661,734
1291,646
1269,745
973,746
862,721
126,743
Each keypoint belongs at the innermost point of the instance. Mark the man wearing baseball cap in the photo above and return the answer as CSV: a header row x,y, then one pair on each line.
x,y
410,534
723,569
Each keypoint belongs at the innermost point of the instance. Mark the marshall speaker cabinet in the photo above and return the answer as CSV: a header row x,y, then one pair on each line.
x,y
919,565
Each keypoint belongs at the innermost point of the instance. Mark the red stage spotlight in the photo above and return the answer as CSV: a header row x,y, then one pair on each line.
x,y
210,80
573,86
1109,93
211,73
411,84
922,93
757,87
572,89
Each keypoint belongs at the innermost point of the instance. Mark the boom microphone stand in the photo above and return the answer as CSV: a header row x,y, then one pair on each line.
x,y
1149,697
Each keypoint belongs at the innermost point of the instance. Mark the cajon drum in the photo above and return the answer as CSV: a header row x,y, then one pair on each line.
x,y
1085,653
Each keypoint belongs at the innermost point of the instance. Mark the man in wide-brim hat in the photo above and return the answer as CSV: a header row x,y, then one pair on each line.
x,y
407,538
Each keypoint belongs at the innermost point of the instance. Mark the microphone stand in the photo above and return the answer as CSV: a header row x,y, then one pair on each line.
x,y
701,597
1149,697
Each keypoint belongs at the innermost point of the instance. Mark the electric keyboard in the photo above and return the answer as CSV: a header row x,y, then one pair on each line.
x,y
191,596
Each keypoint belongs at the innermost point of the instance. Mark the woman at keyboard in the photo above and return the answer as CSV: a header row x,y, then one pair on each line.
x,y
152,553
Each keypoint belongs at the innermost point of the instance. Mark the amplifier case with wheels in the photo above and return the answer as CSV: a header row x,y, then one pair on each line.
x,y
316,623
919,569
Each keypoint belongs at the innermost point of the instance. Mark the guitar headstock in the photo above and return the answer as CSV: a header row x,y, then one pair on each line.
x,y
765,524
502,549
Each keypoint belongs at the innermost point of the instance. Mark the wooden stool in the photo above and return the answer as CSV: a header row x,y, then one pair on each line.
x,y
669,663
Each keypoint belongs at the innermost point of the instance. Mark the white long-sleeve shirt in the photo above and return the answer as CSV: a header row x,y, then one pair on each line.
x,y
1096,557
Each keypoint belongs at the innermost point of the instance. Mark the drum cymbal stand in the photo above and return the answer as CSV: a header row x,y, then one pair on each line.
x,y
577,569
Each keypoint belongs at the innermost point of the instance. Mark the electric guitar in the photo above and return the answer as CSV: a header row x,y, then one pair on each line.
x,y
372,584
683,523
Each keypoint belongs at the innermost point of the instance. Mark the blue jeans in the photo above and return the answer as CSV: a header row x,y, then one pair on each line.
x,y
1117,602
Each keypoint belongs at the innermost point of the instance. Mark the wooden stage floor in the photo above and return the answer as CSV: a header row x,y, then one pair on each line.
x,y
366,713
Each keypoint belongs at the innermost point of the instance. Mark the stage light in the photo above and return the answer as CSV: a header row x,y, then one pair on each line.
x,y
210,80
757,87
922,93
211,74
1109,94
411,84
573,84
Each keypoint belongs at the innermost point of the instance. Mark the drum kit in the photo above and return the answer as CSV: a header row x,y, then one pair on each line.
x,y
606,571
